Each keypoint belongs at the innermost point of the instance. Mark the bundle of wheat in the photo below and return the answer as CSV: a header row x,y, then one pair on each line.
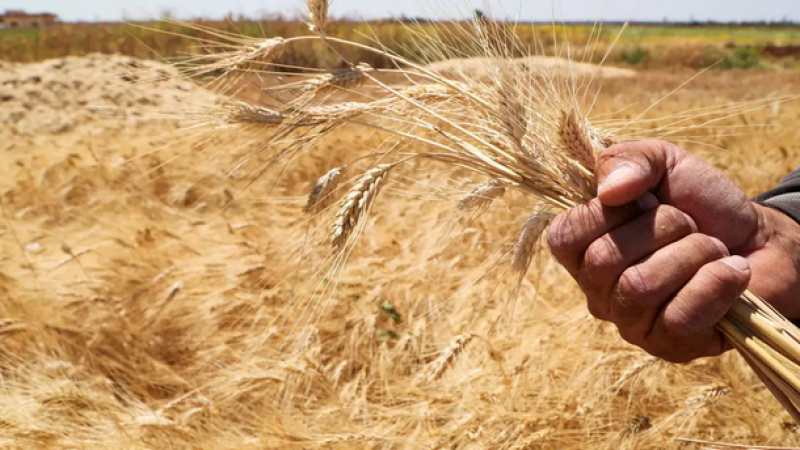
x,y
526,131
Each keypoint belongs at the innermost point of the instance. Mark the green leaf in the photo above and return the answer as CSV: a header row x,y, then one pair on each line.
x,y
388,308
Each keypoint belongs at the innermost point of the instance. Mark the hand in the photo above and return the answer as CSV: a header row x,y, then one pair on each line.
x,y
669,244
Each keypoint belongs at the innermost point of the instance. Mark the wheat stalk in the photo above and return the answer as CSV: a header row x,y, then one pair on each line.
x,y
694,405
297,114
357,202
344,438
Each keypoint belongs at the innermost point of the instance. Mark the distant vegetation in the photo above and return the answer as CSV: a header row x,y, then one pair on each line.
x,y
693,45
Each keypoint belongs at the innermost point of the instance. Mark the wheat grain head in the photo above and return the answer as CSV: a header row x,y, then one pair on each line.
x,y
319,197
447,358
481,197
318,15
525,246
357,203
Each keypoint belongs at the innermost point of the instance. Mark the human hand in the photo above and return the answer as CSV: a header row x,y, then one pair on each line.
x,y
669,244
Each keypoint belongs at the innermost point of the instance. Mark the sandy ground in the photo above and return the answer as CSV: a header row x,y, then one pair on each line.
x,y
547,65
60,95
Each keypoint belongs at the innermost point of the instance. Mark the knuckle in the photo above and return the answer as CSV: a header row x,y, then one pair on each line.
x,y
570,228
669,148
630,336
673,219
610,154
672,355
679,326
634,284
560,234
598,309
719,281
674,349
704,246
557,234
602,257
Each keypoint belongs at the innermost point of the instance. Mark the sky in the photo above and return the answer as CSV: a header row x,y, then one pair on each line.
x,y
721,10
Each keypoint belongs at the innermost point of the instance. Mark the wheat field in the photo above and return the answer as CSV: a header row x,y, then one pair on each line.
x,y
150,291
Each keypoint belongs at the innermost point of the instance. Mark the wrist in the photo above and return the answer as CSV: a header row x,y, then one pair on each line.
x,y
779,229
774,254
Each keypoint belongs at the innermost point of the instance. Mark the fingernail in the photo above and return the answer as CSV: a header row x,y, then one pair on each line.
x,y
648,202
617,176
738,263
722,247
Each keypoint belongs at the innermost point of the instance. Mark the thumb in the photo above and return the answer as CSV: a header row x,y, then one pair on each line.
x,y
627,171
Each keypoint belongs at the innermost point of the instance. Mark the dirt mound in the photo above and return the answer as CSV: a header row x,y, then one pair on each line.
x,y
59,95
480,67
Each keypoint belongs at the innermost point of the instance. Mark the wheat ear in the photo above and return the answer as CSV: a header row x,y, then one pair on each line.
x,y
357,202
511,112
259,55
706,397
446,359
482,196
338,79
576,139
319,197
526,244
246,113
634,371
318,15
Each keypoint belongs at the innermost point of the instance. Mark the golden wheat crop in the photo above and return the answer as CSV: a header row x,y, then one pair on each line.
x,y
524,129
157,297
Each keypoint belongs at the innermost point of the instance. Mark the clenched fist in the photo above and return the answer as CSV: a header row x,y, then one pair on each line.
x,y
669,244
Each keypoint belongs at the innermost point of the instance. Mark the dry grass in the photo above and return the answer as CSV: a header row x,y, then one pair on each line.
x,y
161,326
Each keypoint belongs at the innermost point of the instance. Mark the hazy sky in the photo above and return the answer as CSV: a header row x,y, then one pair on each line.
x,y
724,10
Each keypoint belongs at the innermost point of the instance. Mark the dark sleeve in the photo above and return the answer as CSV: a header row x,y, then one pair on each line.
x,y
785,197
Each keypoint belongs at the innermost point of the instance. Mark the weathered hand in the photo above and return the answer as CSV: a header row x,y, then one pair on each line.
x,y
669,244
